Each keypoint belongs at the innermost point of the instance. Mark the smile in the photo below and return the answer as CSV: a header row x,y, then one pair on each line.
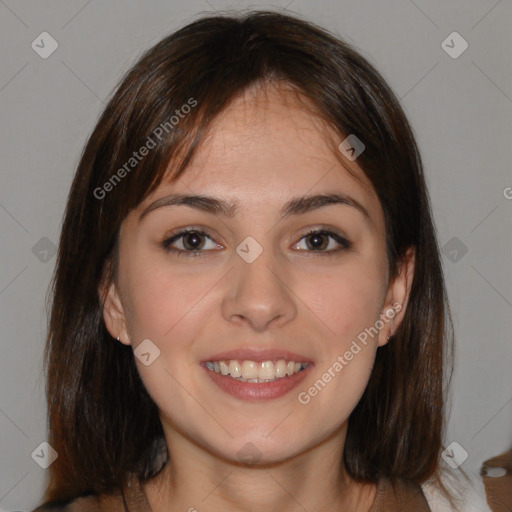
x,y
254,381
256,372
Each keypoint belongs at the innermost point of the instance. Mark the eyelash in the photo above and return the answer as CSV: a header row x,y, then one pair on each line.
x,y
345,244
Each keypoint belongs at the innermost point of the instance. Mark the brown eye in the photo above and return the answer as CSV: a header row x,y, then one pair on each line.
x,y
320,240
191,242
317,241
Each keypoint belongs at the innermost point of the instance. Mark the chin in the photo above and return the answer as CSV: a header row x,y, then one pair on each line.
x,y
255,451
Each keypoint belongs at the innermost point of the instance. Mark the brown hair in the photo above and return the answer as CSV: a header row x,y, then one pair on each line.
x,y
102,421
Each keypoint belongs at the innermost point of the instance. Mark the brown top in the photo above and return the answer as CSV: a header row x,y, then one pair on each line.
x,y
403,497
497,477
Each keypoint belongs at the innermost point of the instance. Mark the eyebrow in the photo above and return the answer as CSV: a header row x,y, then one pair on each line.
x,y
216,206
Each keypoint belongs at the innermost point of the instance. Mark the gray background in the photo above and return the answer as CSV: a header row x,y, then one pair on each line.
x,y
461,112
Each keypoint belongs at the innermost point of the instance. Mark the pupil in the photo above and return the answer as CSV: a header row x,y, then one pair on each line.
x,y
316,241
196,241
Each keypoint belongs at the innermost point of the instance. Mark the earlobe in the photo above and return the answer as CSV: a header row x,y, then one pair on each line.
x,y
114,316
397,297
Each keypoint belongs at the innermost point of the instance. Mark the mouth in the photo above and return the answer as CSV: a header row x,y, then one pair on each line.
x,y
256,372
257,375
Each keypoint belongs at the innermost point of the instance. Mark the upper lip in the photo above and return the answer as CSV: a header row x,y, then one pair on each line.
x,y
257,355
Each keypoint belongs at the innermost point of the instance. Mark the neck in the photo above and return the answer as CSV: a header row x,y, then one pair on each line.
x,y
316,479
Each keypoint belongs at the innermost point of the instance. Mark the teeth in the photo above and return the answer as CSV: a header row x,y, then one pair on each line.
x,y
251,371
281,368
267,370
235,369
224,368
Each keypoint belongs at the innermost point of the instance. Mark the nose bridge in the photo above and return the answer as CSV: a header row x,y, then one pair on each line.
x,y
257,292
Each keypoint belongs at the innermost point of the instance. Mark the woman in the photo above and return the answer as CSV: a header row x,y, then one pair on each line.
x,y
248,310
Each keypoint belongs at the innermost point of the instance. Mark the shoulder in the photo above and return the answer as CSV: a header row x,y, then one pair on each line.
x,y
83,503
497,478
468,494
91,503
129,497
403,495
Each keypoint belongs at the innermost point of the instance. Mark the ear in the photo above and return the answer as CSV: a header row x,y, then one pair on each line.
x,y
114,315
397,297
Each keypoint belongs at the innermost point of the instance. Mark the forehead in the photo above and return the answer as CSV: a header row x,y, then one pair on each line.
x,y
266,146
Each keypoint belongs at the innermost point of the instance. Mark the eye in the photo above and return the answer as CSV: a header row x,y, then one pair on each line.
x,y
317,240
194,242
191,242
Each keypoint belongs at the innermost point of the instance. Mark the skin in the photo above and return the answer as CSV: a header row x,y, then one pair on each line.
x,y
263,150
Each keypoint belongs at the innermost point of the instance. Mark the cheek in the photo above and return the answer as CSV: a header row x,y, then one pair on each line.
x,y
347,301
161,299
169,308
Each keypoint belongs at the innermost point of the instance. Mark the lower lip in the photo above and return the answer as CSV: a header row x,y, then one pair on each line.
x,y
258,391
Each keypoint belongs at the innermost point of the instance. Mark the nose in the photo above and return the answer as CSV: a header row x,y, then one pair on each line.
x,y
257,294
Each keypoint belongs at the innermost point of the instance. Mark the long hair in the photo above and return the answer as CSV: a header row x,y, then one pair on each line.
x,y
101,420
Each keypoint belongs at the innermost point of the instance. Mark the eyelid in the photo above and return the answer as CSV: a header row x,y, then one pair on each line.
x,y
327,231
182,232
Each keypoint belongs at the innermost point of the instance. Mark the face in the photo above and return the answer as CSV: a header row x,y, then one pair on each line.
x,y
267,283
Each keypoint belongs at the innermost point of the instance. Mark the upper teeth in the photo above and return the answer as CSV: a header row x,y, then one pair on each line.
x,y
256,372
